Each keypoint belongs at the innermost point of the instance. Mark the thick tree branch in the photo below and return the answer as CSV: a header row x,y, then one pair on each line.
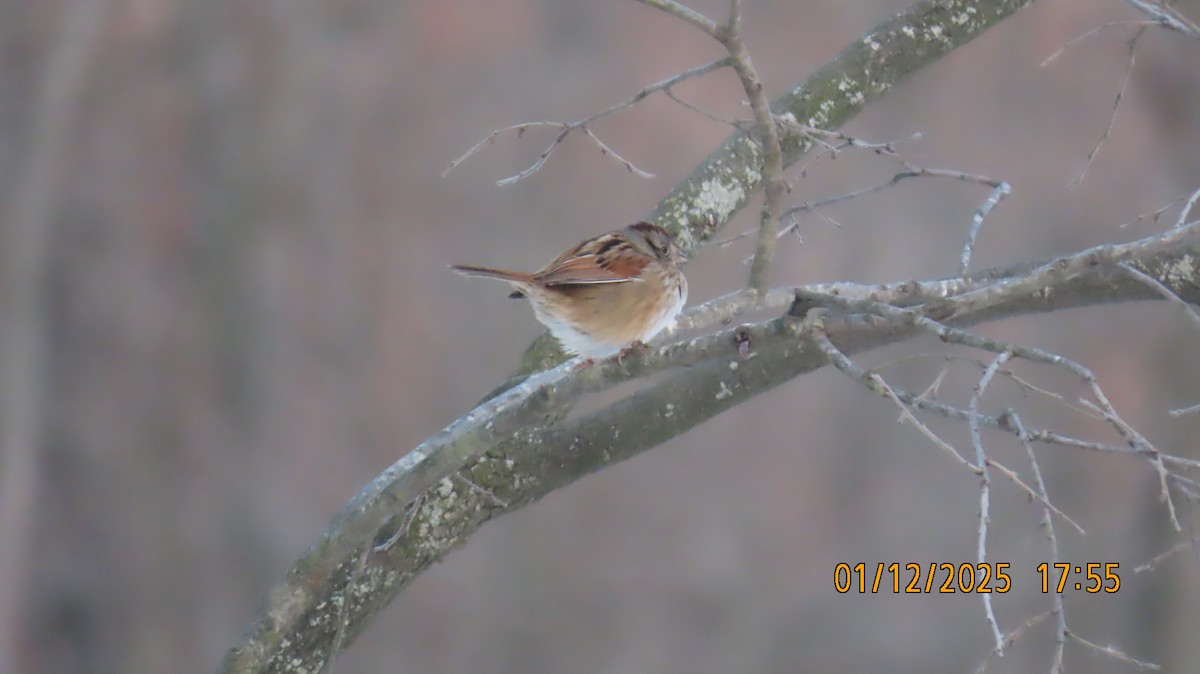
x,y
306,612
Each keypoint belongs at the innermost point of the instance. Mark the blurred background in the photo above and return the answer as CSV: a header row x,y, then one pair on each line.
x,y
244,313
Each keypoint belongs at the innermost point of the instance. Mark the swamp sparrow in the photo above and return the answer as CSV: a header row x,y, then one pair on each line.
x,y
605,294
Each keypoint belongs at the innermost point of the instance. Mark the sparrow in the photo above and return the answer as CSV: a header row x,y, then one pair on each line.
x,y
607,293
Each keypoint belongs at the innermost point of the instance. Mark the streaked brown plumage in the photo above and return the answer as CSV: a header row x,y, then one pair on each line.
x,y
606,293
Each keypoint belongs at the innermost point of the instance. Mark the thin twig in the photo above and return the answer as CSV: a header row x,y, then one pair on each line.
x,y
410,515
1136,440
729,34
1061,631
877,384
480,490
1033,388
565,128
735,123
985,486
541,160
1187,209
1094,31
1002,190
1161,289
1033,494
1184,411
605,149
931,391
768,139
920,425
933,388
687,14
1116,105
1167,16
1160,558
1114,653
1010,638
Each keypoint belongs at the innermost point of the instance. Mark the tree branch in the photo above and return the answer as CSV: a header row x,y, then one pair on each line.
x,y
729,34
305,614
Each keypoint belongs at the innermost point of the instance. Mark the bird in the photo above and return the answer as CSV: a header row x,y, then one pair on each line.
x,y
607,294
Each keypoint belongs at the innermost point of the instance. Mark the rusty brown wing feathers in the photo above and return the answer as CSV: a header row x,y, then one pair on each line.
x,y
605,259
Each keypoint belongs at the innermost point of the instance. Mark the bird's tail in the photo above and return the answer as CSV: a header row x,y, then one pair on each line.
x,y
488,272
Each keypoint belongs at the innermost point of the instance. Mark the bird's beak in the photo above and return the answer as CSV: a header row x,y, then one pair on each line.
x,y
679,257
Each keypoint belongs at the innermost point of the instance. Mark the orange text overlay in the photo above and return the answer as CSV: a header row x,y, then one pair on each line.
x,y
963,578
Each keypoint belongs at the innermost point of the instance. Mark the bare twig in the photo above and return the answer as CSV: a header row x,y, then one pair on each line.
x,y
565,128
1094,31
1189,200
931,391
1114,653
835,142
1167,16
410,515
1061,631
877,384
917,423
491,495
1032,493
729,34
1006,372
1112,117
1161,289
687,14
768,138
735,123
1135,439
1187,209
1160,558
934,387
1002,190
1033,388
1184,411
1011,637
985,486
1052,438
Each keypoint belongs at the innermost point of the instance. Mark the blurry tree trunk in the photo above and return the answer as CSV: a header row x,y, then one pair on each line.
x,y
24,246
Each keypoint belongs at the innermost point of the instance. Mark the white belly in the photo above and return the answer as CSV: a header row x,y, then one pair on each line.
x,y
576,342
